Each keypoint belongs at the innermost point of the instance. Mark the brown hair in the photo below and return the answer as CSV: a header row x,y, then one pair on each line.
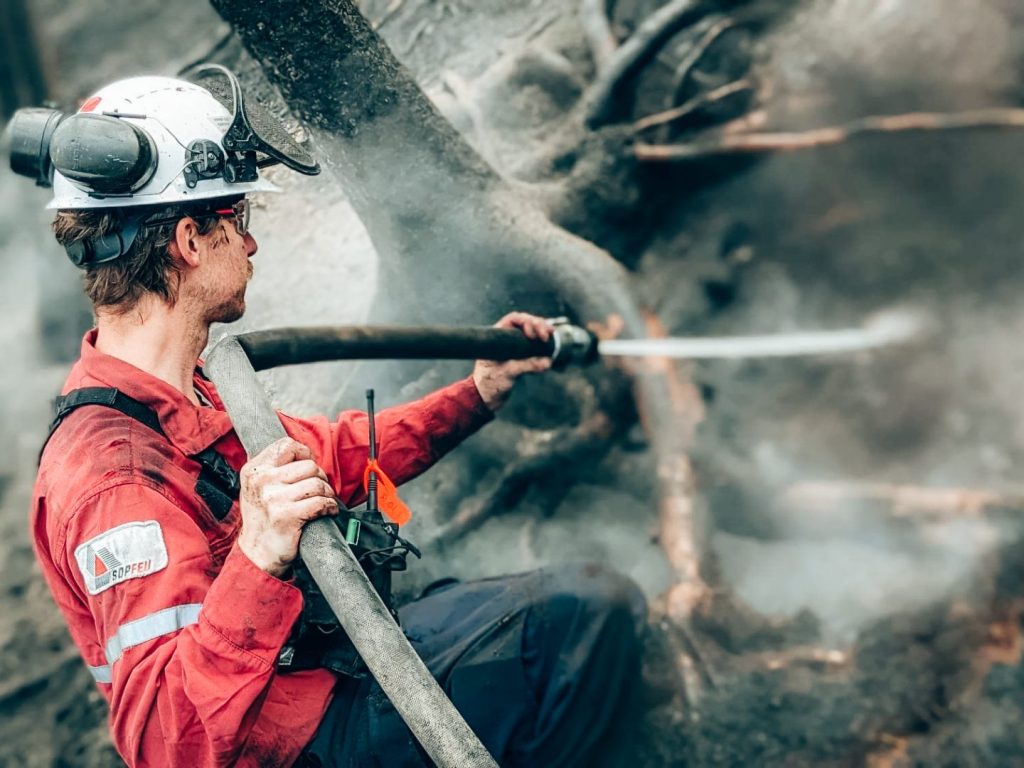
x,y
148,267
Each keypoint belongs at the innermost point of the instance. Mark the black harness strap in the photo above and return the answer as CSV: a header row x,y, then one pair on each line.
x,y
218,484
110,397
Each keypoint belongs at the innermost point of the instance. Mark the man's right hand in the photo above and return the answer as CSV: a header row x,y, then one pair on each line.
x,y
282,490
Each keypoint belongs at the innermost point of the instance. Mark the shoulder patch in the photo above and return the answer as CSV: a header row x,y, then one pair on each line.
x,y
129,551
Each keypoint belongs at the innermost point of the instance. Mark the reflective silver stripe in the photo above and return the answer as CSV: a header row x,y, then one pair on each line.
x,y
101,674
151,627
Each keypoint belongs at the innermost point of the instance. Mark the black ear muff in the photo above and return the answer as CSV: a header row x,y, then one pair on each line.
x,y
99,250
106,155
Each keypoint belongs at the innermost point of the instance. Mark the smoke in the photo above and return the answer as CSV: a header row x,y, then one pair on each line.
x,y
930,223
845,59
849,584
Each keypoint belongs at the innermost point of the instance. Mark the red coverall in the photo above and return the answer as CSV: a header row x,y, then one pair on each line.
x,y
179,629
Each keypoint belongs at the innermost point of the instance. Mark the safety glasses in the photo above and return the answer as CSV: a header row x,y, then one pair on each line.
x,y
239,213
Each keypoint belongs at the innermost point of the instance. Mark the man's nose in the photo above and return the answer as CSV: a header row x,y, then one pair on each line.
x,y
250,245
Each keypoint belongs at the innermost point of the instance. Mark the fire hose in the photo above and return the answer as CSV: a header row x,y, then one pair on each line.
x,y
569,344
402,675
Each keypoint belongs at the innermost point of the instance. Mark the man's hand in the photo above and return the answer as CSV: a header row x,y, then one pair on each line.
x,y
494,380
282,490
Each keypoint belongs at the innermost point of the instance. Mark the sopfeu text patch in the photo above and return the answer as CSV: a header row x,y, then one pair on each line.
x,y
129,551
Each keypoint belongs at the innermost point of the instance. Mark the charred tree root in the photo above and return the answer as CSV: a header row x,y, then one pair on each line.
x,y
840,508
714,32
754,143
910,501
602,101
693,105
718,28
681,530
551,454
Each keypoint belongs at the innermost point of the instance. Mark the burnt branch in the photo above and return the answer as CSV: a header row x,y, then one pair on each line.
x,y
693,105
551,453
695,54
603,99
788,141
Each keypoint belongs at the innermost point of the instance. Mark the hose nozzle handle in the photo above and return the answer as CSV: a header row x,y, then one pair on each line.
x,y
571,344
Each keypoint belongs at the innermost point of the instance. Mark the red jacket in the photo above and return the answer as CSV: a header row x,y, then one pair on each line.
x,y
178,627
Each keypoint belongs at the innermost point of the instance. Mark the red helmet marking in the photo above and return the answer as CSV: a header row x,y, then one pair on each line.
x,y
91,104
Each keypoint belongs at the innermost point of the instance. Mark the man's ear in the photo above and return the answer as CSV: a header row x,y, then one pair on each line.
x,y
185,244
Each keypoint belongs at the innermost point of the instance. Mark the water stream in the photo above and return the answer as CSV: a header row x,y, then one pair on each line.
x,y
883,330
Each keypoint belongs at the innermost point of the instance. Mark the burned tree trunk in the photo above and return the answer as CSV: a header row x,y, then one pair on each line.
x,y
445,225
456,242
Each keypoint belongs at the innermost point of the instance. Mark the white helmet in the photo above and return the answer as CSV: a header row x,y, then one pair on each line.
x,y
155,141
144,144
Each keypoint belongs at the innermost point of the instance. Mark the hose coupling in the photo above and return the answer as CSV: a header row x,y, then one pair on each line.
x,y
572,345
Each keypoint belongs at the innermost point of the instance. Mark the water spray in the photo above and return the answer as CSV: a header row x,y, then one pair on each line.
x,y
883,330
568,345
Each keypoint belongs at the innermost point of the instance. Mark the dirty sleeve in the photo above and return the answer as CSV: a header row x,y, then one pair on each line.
x,y
184,654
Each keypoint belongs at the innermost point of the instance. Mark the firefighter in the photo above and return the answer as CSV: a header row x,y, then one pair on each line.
x,y
172,556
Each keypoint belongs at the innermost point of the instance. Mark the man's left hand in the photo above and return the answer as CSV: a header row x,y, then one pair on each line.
x,y
494,380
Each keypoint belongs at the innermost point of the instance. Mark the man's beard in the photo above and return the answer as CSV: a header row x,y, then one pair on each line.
x,y
232,309
227,311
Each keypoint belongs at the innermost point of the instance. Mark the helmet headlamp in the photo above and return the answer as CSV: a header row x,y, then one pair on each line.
x,y
29,134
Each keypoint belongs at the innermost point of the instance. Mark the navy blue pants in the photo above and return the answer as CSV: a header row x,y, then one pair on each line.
x,y
537,663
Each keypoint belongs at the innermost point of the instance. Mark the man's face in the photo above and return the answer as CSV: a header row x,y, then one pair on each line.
x,y
225,272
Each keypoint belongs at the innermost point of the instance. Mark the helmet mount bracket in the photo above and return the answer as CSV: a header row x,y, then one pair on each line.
x,y
240,167
204,160
253,132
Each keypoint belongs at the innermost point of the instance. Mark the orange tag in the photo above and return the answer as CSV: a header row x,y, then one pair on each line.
x,y
387,494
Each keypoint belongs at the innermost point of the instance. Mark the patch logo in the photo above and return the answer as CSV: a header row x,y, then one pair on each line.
x,y
129,551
